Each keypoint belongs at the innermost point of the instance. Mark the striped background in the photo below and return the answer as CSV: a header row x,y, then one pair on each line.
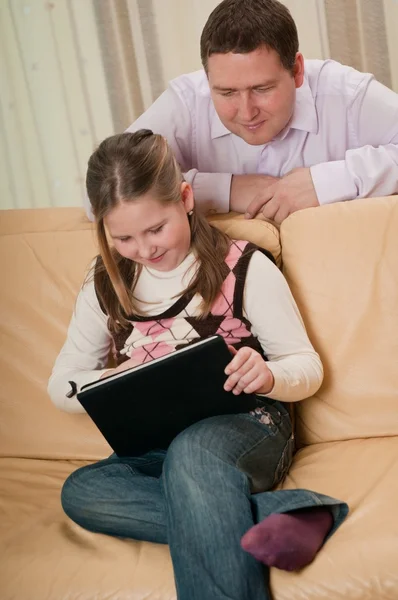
x,y
75,71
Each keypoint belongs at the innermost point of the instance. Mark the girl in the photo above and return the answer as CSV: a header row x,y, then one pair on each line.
x,y
172,279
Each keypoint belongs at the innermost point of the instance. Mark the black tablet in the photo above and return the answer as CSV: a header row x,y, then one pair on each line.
x,y
147,406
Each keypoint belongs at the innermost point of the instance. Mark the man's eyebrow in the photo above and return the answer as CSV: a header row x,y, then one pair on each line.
x,y
223,89
264,84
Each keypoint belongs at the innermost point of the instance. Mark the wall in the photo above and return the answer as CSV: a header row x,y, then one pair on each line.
x,y
73,72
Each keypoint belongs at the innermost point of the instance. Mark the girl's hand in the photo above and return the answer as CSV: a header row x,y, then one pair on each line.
x,y
128,364
248,372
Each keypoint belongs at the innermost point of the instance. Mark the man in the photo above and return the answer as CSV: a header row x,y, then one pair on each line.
x,y
260,129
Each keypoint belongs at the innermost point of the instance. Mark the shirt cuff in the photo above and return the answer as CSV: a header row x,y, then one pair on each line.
x,y
212,191
285,389
69,401
333,182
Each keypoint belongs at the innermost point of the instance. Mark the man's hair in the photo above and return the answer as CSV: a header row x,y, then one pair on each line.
x,y
241,26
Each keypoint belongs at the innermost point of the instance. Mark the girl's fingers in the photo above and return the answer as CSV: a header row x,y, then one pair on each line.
x,y
236,376
240,382
254,385
241,356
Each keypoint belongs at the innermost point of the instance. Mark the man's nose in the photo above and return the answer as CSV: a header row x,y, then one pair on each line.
x,y
247,108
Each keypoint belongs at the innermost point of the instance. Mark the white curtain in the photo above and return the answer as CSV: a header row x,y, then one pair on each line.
x,y
75,71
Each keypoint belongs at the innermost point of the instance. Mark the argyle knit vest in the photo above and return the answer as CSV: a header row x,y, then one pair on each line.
x,y
150,337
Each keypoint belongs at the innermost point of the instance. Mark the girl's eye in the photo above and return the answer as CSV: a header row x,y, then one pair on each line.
x,y
125,239
158,230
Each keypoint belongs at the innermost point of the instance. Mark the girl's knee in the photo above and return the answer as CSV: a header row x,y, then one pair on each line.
x,y
70,496
77,495
200,444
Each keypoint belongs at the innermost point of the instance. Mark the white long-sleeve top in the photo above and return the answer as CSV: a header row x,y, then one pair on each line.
x,y
268,305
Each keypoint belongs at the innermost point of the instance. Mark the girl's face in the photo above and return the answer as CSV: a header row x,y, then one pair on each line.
x,y
151,233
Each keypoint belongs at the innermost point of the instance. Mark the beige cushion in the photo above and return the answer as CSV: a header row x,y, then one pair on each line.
x,y
341,262
347,291
43,257
47,557
258,231
360,562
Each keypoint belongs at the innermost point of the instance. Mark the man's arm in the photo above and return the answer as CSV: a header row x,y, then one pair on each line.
x,y
248,189
171,116
372,168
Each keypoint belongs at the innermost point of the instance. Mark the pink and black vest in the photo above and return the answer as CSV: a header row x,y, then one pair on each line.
x,y
151,337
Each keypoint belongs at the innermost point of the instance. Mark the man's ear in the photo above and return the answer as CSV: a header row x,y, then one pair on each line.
x,y
187,196
298,70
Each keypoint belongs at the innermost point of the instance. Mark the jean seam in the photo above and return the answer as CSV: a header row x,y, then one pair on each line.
x,y
270,434
315,498
263,439
286,448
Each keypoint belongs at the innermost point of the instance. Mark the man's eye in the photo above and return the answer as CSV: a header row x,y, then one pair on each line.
x,y
226,94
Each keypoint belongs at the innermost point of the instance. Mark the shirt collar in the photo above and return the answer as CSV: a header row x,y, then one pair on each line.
x,y
217,128
304,117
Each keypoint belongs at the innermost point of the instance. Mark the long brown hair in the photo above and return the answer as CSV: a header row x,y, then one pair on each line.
x,y
124,168
241,26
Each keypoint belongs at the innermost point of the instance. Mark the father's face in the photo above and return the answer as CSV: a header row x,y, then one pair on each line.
x,y
253,93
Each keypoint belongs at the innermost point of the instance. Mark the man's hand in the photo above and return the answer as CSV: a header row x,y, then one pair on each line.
x,y
248,372
246,188
292,192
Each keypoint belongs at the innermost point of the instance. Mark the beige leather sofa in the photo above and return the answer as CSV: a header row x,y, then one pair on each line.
x,y
342,264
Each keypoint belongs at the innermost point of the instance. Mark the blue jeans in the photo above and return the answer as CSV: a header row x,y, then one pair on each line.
x,y
200,496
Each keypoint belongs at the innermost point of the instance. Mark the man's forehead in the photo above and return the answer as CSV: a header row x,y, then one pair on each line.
x,y
243,71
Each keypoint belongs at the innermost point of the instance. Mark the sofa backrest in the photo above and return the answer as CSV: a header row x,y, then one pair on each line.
x,y
341,262
44,254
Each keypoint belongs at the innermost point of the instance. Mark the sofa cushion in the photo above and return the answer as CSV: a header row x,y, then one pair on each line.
x,y
47,557
341,262
44,255
360,561
258,231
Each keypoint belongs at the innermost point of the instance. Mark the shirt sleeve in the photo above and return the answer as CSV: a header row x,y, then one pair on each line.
x,y
371,169
277,323
173,116
84,354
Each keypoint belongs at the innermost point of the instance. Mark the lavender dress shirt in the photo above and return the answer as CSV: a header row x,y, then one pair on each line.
x,y
344,127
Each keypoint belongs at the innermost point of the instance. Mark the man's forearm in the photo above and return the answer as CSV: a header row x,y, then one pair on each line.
x,y
365,172
245,188
211,190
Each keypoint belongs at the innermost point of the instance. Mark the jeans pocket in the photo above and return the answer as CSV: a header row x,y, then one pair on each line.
x,y
285,461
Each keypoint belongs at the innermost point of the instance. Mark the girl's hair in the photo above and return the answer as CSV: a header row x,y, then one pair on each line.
x,y
122,169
